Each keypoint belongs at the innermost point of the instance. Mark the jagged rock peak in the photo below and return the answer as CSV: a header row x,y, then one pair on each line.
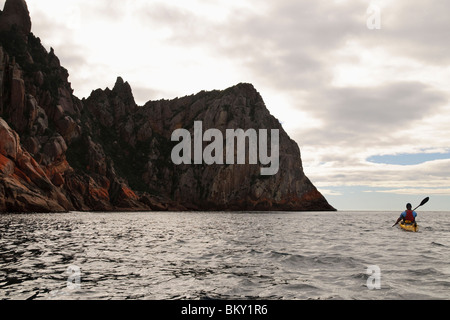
x,y
245,87
120,83
246,90
123,90
15,13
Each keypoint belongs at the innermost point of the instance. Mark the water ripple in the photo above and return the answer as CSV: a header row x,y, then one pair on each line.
x,y
219,256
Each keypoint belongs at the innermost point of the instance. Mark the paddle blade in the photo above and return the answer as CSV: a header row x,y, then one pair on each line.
x,y
424,201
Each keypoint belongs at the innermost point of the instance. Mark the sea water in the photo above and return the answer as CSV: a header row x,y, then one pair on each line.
x,y
223,255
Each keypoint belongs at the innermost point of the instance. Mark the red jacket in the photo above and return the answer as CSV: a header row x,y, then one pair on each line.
x,y
409,215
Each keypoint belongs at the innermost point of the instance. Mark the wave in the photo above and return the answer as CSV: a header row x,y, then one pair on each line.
x,y
323,260
424,272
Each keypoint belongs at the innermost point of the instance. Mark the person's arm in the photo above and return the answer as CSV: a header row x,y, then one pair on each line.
x,y
399,219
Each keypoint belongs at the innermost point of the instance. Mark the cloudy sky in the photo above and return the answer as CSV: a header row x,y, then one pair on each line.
x,y
368,107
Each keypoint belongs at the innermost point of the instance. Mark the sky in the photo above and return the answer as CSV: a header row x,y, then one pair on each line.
x,y
363,87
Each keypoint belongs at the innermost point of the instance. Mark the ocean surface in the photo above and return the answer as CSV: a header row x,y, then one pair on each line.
x,y
193,255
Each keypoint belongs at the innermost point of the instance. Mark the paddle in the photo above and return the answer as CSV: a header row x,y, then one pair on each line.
x,y
421,204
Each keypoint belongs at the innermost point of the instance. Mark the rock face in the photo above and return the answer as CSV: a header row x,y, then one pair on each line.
x,y
104,153
23,184
15,13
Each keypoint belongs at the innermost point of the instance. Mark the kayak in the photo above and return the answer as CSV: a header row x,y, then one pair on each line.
x,y
409,226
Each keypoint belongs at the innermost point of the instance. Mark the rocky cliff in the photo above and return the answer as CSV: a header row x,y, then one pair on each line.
x,y
104,153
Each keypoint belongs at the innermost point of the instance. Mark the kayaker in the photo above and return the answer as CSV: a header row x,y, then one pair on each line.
x,y
408,216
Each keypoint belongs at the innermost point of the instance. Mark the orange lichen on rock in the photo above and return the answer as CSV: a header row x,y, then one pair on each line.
x,y
19,174
99,193
128,193
312,195
6,165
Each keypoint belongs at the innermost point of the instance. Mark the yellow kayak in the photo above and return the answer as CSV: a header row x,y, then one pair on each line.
x,y
414,227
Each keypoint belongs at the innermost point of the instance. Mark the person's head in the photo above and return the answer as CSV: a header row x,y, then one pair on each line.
x,y
408,206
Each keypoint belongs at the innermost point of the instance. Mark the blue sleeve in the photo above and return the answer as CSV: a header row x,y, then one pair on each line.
x,y
414,214
403,214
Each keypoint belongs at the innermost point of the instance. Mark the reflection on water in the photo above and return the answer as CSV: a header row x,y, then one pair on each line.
x,y
220,256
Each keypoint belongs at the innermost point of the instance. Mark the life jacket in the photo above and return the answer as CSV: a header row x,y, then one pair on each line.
x,y
409,216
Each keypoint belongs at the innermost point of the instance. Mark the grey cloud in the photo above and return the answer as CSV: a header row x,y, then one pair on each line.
x,y
289,47
188,29
113,10
417,29
388,106
71,56
46,29
367,116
